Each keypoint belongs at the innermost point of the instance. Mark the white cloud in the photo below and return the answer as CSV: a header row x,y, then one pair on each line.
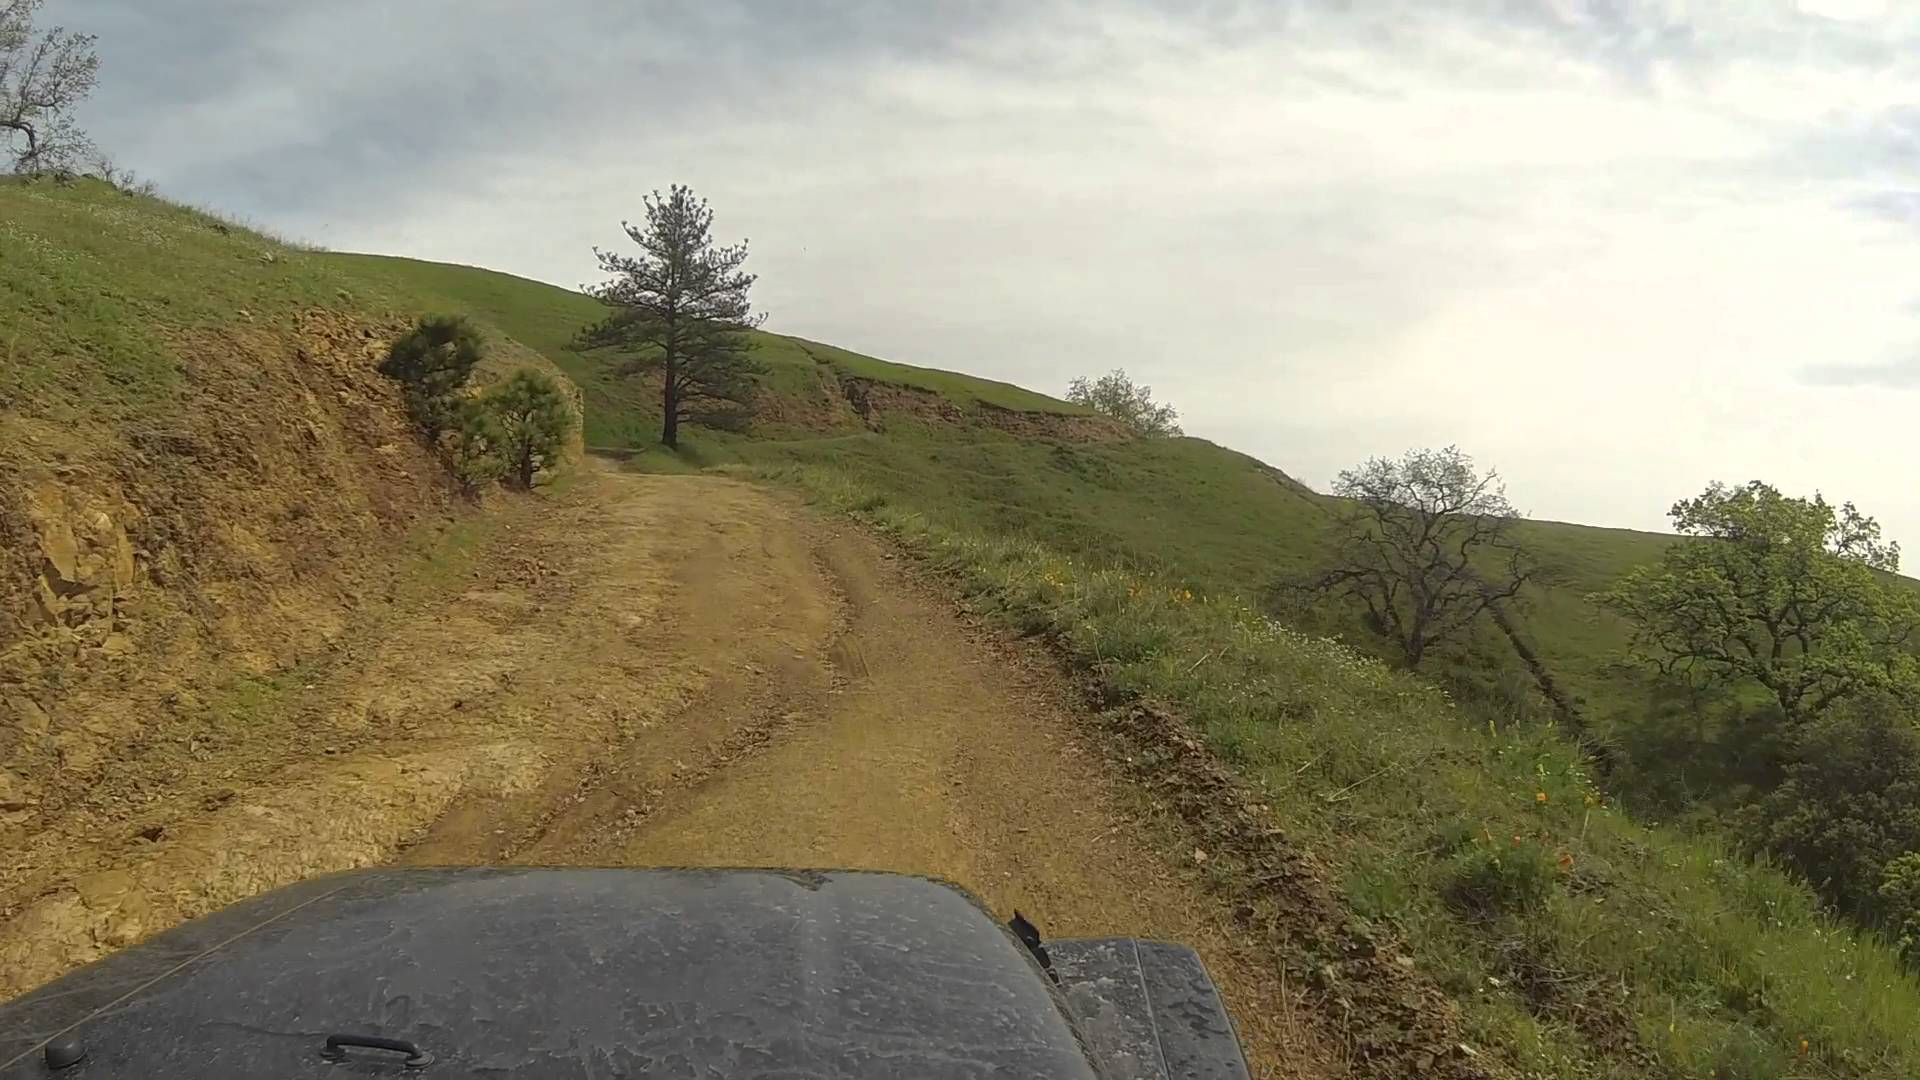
x,y
1617,250
1846,10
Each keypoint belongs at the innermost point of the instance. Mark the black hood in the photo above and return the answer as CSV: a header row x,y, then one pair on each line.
x,y
567,973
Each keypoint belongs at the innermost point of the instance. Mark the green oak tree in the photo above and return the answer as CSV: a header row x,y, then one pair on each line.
x,y
1792,596
1117,396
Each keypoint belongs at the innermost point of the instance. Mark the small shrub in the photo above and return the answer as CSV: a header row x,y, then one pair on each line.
x,y
1900,899
1377,892
1745,1055
432,363
477,447
1454,836
1727,1050
1848,808
1489,880
532,420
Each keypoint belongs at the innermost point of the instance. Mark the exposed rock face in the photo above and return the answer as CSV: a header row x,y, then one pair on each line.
x,y
841,401
86,557
232,532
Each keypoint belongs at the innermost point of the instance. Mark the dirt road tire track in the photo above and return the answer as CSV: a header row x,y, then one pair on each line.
x,y
678,671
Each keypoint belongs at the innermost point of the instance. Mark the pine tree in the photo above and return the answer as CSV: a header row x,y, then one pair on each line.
x,y
680,308
432,363
533,422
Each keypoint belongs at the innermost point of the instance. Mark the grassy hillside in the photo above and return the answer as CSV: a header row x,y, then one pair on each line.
x,y
94,281
624,412
1578,941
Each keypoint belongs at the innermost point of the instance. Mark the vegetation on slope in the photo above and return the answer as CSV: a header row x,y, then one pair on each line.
x,y
624,413
94,280
197,456
1576,941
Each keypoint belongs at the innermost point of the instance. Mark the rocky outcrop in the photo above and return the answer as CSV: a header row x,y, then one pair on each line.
x,y
843,400
1061,427
85,557
228,532
876,403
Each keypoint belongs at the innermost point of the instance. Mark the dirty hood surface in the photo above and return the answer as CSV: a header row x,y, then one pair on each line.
x,y
566,973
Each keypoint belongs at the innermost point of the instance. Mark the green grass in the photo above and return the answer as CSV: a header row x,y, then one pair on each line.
x,y
437,554
1227,523
1725,966
247,700
541,317
91,280
1177,506
95,284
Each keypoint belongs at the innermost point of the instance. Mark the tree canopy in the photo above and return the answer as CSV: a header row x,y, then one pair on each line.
x,y
680,308
1785,594
1115,395
42,77
432,362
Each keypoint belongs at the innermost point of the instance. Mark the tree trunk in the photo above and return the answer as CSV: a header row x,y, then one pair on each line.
x,y
1606,758
670,403
1417,637
526,467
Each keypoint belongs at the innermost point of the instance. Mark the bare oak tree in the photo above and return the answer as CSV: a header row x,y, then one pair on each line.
x,y
680,307
1425,544
42,77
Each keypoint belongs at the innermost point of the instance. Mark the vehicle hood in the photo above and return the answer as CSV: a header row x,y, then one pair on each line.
x,y
560,972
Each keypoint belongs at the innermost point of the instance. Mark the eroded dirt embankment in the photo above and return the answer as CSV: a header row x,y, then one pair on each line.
x,y
650,670
227,530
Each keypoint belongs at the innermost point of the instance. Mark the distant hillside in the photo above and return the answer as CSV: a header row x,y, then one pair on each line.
x,y
1035,463
807,386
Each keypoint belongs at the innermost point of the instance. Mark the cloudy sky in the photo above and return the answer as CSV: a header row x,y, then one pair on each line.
x,y
1615,248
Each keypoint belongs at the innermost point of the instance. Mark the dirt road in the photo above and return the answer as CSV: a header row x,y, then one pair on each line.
x,y
649,670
